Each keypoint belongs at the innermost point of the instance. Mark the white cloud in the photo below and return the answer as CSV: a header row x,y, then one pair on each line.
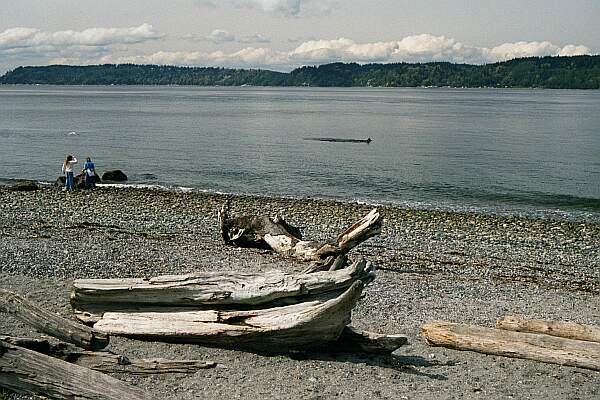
x,y
219,36
26,46
281,7
112,45
28,38
572,50
257,38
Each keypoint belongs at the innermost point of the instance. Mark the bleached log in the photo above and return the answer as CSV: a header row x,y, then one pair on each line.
x,y
569,330
29,372
50,323
310,323
90,298
106,361
545,348
247,231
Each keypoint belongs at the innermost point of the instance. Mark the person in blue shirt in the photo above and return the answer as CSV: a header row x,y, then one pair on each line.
x,y
90,173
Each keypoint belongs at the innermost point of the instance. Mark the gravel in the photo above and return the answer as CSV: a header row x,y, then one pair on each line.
x,y
460,267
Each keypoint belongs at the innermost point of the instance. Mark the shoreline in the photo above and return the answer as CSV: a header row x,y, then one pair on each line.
x,y
569,213
431,265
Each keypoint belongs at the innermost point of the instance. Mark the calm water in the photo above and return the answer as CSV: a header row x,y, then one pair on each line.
x,y
526,152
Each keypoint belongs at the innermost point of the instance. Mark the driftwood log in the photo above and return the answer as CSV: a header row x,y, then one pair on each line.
x,y
567,330
354,340
306,324
106,361
29,372
545,348
91,298
50,323
281,237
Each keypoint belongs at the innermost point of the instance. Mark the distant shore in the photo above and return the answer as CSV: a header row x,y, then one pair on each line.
x,y
562,72
463,267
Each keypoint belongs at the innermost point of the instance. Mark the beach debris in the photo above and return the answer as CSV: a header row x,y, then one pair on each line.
x,y
61,370
354,340
90,298
305,324
50,323
107,361
283,238
569,330
30,372
114,176
538,347
272,311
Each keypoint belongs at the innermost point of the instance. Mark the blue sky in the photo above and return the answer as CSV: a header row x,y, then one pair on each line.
x,y
284,34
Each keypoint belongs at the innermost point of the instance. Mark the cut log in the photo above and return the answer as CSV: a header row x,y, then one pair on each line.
x,y
549,349
569,330
261,232
28,372
90,298
50,323
307,324
106,361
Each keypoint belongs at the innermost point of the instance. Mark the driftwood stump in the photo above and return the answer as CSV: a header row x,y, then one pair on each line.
x,y
279,236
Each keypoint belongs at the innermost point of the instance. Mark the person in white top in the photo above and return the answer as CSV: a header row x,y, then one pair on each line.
x,y
67,169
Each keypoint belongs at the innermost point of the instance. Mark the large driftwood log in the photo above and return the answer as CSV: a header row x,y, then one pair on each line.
x,y
262,231
90,298
569,330
306,324
50,323
106,361
26,371
549,349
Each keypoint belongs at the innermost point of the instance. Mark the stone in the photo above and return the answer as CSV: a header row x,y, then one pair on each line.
x,y
115,176
24,186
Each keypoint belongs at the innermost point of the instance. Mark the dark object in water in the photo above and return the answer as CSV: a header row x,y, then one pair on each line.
x,y
115,176
341,140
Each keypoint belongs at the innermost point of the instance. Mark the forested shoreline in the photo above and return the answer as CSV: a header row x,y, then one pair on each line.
x,y
577,72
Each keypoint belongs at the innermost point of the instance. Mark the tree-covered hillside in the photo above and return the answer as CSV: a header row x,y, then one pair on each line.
x,y
130,74
579,72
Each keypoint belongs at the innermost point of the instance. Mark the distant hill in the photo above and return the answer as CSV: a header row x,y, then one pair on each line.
x,y
578,72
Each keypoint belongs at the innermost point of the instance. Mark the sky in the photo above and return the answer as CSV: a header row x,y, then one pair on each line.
x,y
285,34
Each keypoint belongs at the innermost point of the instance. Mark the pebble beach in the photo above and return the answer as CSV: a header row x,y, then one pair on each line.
x,y
431,265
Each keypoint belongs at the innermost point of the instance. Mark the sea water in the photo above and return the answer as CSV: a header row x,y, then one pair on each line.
x,y
506,151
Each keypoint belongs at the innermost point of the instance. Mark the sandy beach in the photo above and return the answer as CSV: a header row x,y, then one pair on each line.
x,y
459,267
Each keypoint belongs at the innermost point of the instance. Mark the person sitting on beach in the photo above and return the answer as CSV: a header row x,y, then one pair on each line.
x,y
67,169
90,173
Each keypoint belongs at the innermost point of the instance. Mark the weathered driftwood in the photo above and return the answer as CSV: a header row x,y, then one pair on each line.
x,y
353,340
30,372
90,298
262,231
106,361
50,323
309,323
545,348
569,330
